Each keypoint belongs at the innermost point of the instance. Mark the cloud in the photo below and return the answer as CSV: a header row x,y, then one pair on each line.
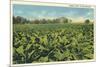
x,y
19,12
43,12
78,20
90,15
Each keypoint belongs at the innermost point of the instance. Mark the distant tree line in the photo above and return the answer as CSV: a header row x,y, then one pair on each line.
x,y
22,20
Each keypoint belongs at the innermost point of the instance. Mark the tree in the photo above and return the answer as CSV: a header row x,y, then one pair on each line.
x,y
63,20
19,20
66,20
87,21
36,21
70,20
43,21
14,20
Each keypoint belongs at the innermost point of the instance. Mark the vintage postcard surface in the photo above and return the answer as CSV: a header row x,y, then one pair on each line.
x,y
43,33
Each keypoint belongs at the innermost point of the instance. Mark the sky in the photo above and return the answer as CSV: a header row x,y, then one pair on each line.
x,y
32,12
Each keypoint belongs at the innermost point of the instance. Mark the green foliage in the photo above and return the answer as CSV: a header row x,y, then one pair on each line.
x,y
87,21
22,20
47,43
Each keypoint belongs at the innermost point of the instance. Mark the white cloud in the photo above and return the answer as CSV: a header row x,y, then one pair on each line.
x,y
43,12
90,15
19,12
78,20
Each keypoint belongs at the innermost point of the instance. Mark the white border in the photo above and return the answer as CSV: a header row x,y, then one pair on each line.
x,y
50,4
53,4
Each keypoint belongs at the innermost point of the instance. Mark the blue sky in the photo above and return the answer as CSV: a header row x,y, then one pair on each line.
x,y
39,12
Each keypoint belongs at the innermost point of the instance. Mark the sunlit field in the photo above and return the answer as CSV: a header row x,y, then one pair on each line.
x,y
34,43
